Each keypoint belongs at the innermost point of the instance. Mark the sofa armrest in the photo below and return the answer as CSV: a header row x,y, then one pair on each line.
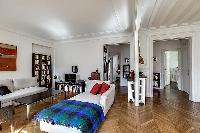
x,y
107,99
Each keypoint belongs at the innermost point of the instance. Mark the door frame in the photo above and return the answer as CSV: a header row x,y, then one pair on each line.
x,y
163,63
150,42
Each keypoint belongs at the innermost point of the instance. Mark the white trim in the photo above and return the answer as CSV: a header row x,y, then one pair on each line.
x,y
192,31
105,37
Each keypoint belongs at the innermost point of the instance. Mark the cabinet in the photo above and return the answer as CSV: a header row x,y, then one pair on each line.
x,y
41,68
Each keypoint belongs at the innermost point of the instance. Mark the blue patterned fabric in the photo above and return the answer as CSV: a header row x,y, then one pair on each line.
x,y
70,113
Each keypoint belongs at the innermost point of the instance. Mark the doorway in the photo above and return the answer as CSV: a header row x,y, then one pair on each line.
x,y
116,58
170,65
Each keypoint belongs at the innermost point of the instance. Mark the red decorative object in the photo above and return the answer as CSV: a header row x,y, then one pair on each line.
x,y
104,88
8,56
95,76
95,89
132,75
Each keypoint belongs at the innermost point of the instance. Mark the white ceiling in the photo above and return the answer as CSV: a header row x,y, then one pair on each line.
x,y
63,19
165,13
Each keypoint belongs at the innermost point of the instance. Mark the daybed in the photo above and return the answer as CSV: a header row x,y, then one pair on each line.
x,y
19,88
103,101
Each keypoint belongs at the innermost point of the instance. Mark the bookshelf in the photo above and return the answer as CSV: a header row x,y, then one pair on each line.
x,y
41,68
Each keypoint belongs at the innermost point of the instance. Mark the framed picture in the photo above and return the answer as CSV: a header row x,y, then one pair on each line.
x,y
8,57
126,71
127,60
155,58
75,69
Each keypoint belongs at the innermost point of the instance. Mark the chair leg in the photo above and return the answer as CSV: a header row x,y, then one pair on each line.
x,y
0,127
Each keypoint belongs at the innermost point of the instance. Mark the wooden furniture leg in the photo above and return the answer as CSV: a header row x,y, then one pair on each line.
x,y
12,112
0,127
52,99
28,111
0,123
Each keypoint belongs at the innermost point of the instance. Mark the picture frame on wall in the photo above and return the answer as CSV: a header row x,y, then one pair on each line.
x,y
8,57
126,71
127,60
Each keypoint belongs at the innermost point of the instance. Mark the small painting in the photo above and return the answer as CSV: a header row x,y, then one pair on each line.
x,y
8,57
127,60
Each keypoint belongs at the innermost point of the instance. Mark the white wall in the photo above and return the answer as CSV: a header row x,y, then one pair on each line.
x,y
186,57
87,54
116,62
24,53
157,49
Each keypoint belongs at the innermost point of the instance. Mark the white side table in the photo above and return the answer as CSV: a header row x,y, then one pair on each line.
x,y
140,93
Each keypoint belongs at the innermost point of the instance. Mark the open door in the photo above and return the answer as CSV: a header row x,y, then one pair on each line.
x,y
180,69
165,68
171,67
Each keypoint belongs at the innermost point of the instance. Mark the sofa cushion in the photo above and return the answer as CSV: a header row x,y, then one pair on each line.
x,y
22,93
4,90
87,97
104,88
8,83
91,83
95,89
25,83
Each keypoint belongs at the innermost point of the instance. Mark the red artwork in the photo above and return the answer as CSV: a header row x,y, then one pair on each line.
x,y
8,56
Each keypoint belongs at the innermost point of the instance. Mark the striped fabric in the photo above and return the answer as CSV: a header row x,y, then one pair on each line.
x,y
70,113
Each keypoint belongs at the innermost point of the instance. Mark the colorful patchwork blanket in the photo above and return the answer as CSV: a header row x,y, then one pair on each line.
x,y
71,113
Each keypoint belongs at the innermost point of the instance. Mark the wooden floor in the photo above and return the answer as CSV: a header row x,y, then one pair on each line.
x,y
171,112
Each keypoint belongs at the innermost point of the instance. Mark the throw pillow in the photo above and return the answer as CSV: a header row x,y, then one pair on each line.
x,y
95,89
104,88
4,90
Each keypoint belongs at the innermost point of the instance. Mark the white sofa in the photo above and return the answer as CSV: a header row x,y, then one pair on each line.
x,y
105,101
19,88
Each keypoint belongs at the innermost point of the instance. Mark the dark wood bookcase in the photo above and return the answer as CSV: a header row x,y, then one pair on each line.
x,y
41,68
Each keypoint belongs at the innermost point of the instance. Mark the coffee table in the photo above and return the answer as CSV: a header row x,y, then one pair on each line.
x,y
28,100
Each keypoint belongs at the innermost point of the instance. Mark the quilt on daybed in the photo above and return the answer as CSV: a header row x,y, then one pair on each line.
x,y
71,113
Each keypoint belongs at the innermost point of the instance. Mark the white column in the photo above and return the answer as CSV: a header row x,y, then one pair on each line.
x,y
136,69
132,53
195,65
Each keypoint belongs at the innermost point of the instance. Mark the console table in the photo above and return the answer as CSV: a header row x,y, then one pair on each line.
x,y
78,86
29,100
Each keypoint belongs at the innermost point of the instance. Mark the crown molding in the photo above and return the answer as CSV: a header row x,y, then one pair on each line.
x,y
194,26
173,31
100,37
3,28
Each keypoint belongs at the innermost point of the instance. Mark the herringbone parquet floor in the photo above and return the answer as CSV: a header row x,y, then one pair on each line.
x,y
171,112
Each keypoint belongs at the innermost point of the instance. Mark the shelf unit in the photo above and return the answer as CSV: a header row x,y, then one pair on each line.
x,y
132,93
41,68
